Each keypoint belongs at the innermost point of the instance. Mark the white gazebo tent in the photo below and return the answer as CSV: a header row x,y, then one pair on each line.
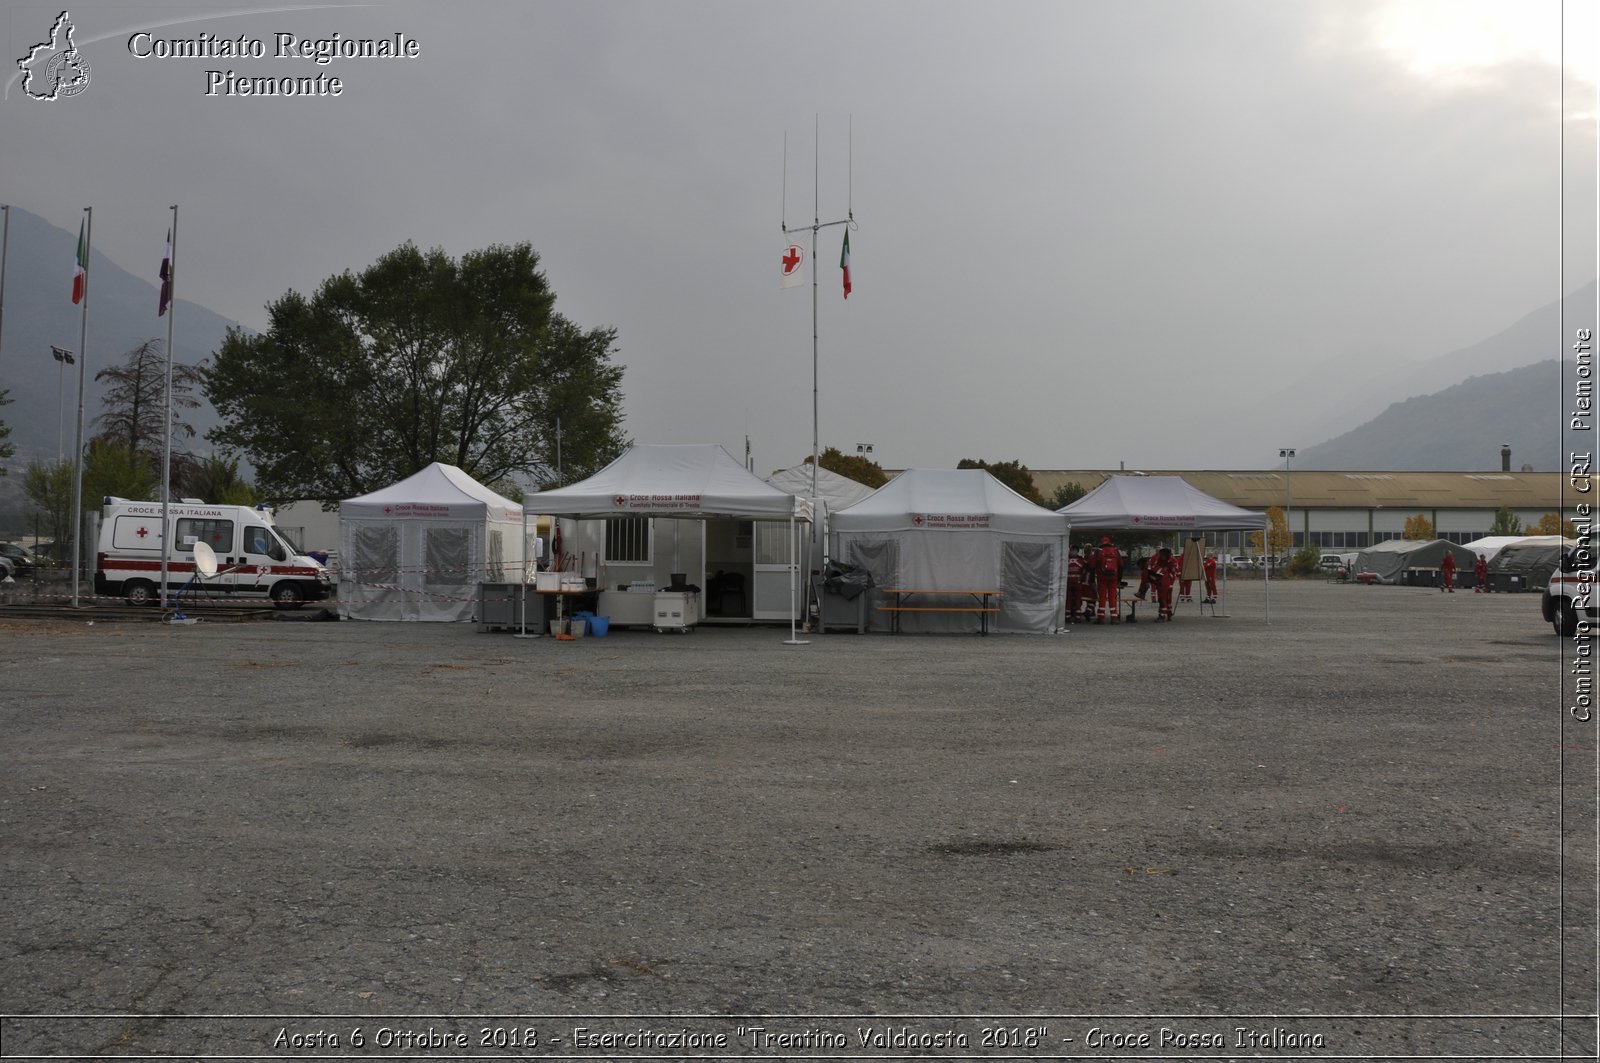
x,y
1158,503
417,549
690,481
834,492
959,529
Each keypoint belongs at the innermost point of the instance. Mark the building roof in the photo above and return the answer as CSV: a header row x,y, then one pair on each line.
x,y
1315,489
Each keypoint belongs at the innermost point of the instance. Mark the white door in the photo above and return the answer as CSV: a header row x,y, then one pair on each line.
x,y
259,550
773,550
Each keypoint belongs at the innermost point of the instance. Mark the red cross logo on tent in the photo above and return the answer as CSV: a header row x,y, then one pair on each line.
x,y
388,509
619,501
142,532
793,255
917,519
1138,520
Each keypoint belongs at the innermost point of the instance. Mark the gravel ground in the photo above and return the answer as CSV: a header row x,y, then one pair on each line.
x,y
1352,818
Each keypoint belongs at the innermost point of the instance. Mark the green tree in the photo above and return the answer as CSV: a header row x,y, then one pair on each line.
x,y
419,358
113,469
48,485
1505,522
6,449
1013,474
858,467
1065,495
1419,527
134,406
1307,561
216,479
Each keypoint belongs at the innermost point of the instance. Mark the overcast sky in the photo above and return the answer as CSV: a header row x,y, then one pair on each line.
x,y
1088,232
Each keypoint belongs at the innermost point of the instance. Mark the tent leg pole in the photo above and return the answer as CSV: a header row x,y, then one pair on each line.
x,y
794,638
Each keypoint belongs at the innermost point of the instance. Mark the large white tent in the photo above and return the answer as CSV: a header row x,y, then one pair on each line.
x,y
688,482
417,549
1157,503
960,530
672,480
833,491
1160,504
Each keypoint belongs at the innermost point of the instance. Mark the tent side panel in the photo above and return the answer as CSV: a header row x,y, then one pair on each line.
x,y
370,570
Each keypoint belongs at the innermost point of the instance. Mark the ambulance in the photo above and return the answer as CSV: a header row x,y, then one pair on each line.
x,y
252,557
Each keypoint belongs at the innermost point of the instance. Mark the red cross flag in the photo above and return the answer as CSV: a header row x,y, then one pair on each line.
x,y
794,261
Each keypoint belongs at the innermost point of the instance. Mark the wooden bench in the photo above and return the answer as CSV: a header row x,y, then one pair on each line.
x,y
979,606
1133,603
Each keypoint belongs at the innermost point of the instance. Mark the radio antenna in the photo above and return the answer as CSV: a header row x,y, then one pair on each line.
x,y
816,225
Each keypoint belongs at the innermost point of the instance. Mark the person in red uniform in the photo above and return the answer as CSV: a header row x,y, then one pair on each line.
x,y
1091,580
1210,568
1074,585
1163,574
1480,575
1108,582
1448,568
1086,598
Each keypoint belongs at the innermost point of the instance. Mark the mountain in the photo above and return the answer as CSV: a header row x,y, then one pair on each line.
x,y
1459,429
1359,388
39,314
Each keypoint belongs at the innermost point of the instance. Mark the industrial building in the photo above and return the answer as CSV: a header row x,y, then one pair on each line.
x,y
1352,510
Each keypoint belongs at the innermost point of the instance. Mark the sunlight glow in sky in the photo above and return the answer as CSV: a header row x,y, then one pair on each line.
x,y
1463,39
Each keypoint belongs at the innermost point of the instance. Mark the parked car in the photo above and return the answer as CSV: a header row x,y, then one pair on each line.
x,y
1571,594
21,562
5,569
1240,561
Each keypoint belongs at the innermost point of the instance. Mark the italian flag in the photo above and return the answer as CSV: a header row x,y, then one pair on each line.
x,y
166,277
80,272
844,263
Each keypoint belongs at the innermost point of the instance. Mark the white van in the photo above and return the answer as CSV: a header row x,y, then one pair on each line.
x,y
252,557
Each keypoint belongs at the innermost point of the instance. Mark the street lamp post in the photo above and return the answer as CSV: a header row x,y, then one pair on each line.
x,y
64,358
863,450
1287,454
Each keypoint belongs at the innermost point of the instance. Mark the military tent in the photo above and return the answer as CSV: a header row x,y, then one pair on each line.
x,y
1412,561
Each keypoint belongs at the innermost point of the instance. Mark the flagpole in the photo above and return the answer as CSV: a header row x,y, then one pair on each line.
x,y
5,244
169,289
816,225
77,450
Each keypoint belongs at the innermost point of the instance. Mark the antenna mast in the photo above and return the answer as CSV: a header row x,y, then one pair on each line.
x,y
817,224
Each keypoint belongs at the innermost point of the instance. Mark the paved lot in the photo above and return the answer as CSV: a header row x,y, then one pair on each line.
x,y
1355,810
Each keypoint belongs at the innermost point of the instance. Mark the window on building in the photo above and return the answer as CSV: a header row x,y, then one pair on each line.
x,y
627,540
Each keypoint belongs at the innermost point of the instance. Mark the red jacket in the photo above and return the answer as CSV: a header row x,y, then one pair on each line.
x,y
1108,563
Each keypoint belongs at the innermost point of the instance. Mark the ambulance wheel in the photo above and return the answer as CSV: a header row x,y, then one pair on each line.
x,y
287,596
139,592
1566,619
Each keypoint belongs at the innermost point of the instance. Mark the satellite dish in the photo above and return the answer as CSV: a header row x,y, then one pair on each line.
x,y
205,560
